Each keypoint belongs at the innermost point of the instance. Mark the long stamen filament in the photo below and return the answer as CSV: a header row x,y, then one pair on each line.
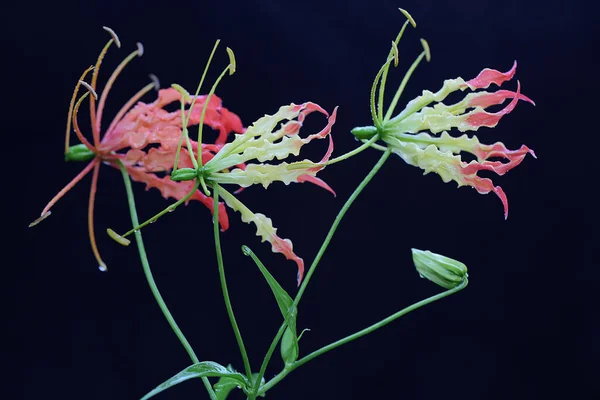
x,y
410,71
410,20
108,86
377,120
80,136
184,130
208,96
95,133
212,53
72,105
68,187
101,264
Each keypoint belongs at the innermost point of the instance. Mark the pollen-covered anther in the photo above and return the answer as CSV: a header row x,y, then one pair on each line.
x,y
118,238
140,49
114,36
40,219
89,88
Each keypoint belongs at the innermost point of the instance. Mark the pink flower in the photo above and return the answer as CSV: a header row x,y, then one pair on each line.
x,y
132,130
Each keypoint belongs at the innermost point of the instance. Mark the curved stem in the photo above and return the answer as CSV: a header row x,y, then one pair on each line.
x,y
318,257
359,334
152,283
354,152
234,325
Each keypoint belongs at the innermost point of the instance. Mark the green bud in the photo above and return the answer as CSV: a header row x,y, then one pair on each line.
x,y
79,152
364,132
184,174
289,347
444,271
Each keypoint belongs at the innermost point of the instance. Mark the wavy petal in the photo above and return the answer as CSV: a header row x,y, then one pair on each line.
x,y
262,142
443,117
488,76
150,123
265,229
450,167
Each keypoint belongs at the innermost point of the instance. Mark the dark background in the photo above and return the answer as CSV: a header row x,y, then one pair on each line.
x,y
525,328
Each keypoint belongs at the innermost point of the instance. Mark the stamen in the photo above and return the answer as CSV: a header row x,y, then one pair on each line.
x,y
426,48
201,123
95,132
80,136
408,17
232,64
118,238
59,195
101,264
89,88
412,68
155,80
40,219
71,105
395,49
114,36
109,84
210,57
140,49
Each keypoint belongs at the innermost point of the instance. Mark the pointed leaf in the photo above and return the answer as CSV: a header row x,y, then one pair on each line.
x,y
199,370
284,301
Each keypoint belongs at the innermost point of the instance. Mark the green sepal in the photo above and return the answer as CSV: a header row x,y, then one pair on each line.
x,y
79,152
184,174
199,370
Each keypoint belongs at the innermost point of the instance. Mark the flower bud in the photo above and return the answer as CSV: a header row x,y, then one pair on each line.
x,y
441,270
183,174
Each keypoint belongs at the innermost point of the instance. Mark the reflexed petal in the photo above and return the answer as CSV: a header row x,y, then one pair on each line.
x,y
150,123
443,117
264,229
262,142
450,167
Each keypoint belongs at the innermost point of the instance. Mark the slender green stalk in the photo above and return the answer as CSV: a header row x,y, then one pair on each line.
x,y
358,334
172,207
410,71
234,325
354,152
317,259
152,283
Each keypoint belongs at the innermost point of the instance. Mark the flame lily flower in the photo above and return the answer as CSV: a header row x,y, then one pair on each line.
x,y
265,141
135,128
404,135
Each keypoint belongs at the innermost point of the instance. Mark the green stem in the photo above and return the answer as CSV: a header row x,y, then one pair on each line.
x,y
317,259
234,325
359,334
152,283
172,207
354,152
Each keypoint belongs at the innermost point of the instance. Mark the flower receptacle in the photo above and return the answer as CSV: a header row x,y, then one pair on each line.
x,y
79,152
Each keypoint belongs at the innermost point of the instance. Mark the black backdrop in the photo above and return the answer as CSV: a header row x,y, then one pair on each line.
x,y
526,327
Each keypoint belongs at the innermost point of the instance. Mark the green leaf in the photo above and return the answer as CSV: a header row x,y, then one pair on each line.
x,y
289,341
199,370
284,301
